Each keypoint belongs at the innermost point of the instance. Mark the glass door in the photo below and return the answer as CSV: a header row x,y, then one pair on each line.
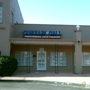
x,y
41,60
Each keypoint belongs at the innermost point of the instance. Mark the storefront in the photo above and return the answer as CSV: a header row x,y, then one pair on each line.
x,y
50,53
44,57
44,47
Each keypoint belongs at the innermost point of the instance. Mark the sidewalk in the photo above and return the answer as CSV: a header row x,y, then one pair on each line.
x,y
68,78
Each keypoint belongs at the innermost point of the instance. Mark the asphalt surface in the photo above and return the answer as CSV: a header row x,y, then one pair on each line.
x,y
34,86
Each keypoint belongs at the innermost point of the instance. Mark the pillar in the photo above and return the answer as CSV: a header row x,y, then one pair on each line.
x,y
78,53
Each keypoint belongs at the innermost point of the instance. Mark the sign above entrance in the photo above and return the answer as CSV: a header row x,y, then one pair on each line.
x,y
41,34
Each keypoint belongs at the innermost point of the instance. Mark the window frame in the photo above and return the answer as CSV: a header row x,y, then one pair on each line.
x,y
52,61
22,59
12,17
82,60
85,60
1,5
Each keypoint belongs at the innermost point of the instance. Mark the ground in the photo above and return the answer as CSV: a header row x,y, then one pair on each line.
x,y
34,86
35,80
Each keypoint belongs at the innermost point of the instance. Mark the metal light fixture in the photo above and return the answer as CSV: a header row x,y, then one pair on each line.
x,y
78,27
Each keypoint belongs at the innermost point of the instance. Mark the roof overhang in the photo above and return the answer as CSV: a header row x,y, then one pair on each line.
x,y
86,42
41,41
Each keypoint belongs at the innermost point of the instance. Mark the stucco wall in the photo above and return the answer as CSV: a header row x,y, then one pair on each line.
x,y
85,32
86,49
18,18
14,6
66,30
5,28
48,49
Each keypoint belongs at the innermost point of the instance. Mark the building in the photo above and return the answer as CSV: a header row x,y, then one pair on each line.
x,y
43,47
9,14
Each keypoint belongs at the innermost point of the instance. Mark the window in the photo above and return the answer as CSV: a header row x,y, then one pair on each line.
x,y
0,13
58,58
24,58
12,17
86,59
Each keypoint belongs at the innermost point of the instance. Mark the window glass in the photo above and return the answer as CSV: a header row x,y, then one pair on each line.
x,y
0,13
24,58
12,17
86,59
58,59
0,9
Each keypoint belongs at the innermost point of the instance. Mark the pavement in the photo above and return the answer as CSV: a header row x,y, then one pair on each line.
x,y
33,86
64,78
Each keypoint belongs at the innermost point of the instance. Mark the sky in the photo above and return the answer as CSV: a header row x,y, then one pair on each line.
x,y
74,12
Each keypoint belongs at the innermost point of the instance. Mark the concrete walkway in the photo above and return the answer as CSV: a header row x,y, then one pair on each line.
x,y
51,76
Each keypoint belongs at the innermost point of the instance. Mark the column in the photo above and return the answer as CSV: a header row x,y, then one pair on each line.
x,y
78,53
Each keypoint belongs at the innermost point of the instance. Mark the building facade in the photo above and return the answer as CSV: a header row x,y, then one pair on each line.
x,y
42,47
9,14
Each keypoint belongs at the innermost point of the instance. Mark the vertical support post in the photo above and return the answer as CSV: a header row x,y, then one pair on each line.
x,y
11,49
0,53
73,58
19,57
56,58
28,58
78,52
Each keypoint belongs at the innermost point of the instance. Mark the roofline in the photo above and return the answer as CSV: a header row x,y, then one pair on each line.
x,y
51,24
44,24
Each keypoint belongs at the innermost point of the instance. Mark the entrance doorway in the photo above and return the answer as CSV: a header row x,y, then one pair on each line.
x,y
41,60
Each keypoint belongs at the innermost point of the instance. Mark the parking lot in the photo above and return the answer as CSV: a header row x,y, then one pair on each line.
x,y
33,86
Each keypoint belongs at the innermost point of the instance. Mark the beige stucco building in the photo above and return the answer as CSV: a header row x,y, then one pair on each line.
x,y
70,52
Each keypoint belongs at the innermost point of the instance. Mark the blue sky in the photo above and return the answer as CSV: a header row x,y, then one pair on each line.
x,y
75,12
